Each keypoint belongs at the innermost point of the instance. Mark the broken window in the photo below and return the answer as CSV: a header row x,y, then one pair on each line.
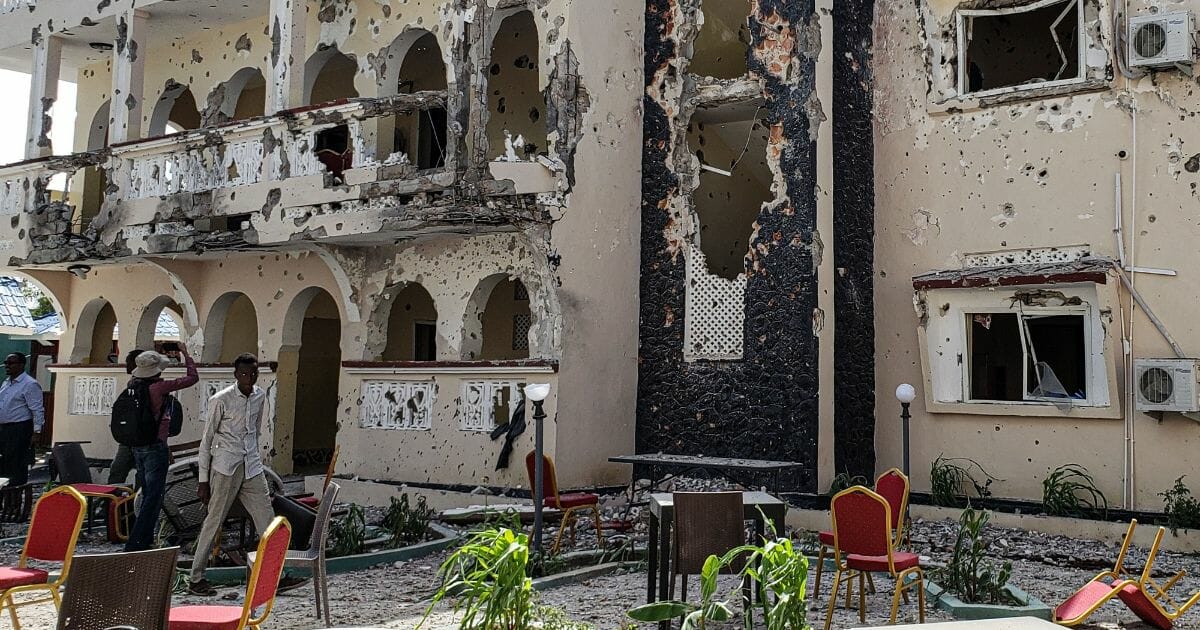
x,y
722,48
412,327
1037,44
735,180
516,128
1017,357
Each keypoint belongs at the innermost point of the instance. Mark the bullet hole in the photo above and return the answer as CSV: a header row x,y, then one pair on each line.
x,y
502,106
534,114
495,69
1193,164
1152,218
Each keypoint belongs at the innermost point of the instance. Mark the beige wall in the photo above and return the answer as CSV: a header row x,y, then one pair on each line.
x,y
516,103
1038,172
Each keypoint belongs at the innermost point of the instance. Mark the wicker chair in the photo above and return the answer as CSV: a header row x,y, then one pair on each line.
x,y
706,524
313,558
142,600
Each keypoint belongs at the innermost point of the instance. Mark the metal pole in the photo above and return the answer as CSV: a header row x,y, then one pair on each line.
x,y
904,416
538,484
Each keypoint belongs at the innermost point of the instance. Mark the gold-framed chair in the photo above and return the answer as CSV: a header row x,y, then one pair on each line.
x,y
53,532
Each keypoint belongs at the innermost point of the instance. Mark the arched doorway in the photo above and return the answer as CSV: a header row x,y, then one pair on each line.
x,y
175,111
95,180
497,321
515,101
232,329
96,335
243,96
329,76
420,67
309,373
411,326
161,328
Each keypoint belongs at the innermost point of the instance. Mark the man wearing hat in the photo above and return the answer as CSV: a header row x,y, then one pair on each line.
x,y
151,461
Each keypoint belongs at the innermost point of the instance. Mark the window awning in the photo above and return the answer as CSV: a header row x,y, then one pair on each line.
x,y
1089,269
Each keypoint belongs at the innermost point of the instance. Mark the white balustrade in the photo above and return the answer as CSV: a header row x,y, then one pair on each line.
x,y
481,400
8,6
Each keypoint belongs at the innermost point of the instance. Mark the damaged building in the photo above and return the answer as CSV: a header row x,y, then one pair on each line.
x,y
408,209
728,228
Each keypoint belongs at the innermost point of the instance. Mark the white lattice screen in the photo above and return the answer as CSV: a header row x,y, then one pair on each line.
x,y
92,395
716,312
481,400
403,405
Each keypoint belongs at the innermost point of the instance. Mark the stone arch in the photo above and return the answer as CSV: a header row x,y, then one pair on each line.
x,y
309,371
98,131
145,335
243,96
406,319
221,343
329,76
409,44
478,327
176,106
88,343
293,320
515,100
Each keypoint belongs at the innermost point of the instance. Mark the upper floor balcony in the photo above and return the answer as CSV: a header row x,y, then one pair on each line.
x,y
335,141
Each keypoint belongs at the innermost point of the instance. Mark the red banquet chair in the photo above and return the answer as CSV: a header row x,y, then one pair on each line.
x,y
260,590
570,502
863,543
53,532
1105,586
1151,602
891,485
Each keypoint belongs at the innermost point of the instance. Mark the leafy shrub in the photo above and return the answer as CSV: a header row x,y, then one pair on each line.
x,y
780,570
1069,490
348,534
1183,509
488,578
970,575
407,524
844,480
948,476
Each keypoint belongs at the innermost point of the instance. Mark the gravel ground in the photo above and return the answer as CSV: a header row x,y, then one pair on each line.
x,y
396,596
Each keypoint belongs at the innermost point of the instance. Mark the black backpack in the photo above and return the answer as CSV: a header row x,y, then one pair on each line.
x,y
133,421
171,405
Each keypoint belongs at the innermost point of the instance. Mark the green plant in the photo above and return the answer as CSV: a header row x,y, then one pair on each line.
x,y
406,523
348,534
781,570
1183,509
970,575
488,578
1069,490
551,618
844,480
695,616
948,476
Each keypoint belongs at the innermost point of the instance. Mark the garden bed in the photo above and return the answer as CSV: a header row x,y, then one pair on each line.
x,y
941,599
445,538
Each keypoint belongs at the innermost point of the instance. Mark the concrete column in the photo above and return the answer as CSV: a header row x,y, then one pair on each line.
x,y
128,77
43,91
288,34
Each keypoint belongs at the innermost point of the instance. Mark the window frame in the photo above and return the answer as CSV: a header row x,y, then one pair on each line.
x,y
1083,312
961,24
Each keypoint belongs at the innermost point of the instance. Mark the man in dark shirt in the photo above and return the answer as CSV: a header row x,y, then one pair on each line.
x,y
152,461
122,462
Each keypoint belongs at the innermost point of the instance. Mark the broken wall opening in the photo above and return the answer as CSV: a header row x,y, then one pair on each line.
x,y
729,139
516,105
412,326
1022,46
722,48
94,178
1020,357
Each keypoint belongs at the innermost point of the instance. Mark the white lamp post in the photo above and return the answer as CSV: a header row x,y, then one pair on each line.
x,y
537,393
905,394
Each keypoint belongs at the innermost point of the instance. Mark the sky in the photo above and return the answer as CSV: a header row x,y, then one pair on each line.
x,y
14,112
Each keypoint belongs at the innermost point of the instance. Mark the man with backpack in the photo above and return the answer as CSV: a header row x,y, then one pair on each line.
x,y
142,420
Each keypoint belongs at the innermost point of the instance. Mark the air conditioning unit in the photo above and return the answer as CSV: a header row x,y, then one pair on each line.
x,y
1162,39
1167,385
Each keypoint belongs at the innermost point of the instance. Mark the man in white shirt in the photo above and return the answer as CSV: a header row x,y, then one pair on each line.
x,y
21,418
231,464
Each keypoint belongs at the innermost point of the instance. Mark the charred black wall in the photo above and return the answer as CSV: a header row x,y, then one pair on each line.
x,y
764,406
853,238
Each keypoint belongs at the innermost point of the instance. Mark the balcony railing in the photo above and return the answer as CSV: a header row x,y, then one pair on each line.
x,y
256,150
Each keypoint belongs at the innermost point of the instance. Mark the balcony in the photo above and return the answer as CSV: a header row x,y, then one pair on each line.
x,y
322,173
